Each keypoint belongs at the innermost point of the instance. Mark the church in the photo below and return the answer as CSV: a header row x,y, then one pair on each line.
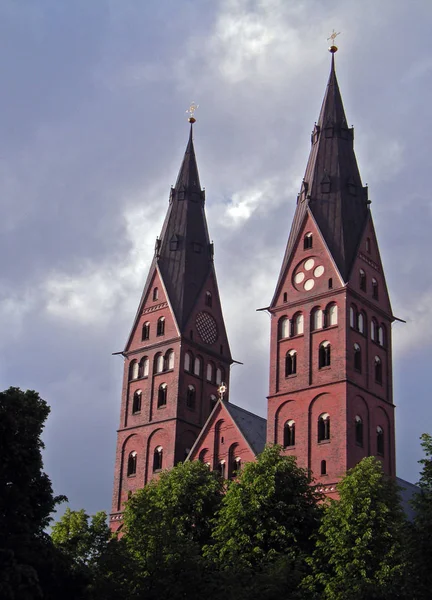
x,y
330,400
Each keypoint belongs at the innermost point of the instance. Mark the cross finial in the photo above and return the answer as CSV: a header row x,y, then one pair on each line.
x,y
222,389
191,112
332,38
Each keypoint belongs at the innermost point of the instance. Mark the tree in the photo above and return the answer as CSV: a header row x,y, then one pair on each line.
x,y
166,524
263,530
421,533
359,551
26,499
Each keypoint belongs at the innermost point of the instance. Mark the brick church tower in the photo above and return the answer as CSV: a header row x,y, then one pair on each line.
x,y
330,400
177,352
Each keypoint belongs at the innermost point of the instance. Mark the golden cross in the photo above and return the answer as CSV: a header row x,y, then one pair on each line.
x,y
191,112
333,36
222,390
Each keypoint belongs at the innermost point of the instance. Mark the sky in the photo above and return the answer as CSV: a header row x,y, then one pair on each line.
x,y
92,133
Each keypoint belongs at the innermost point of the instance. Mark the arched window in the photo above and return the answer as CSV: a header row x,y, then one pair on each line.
x,y
202,457
289,434
159,363
187,361
359,430
162,395
297,324
374,330
218,376
221,469
232,462
133,369
362,280
143,369
290,363
213,401
352,316
380,440
136,402
190,396
361,322
157,459
132,464
374,289
332,315
284,328
197,366
208,299
323,467
169,360
381,335
145,331
307,241
357,358
317,319
210,371
378,369
368,245
285,297
323,427
155,293
330,283
160,326
324,355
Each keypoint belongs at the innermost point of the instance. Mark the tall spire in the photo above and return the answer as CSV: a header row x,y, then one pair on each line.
x,y
332,189
183,252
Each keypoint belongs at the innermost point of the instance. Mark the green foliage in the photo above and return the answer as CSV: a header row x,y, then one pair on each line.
x,y
359,552
271,509
166,524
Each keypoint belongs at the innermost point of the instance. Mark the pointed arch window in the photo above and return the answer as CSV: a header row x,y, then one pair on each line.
x,y
202,457
289,434
378,369
374,330
197,366
359,430
381,335
160,326
308,241
210,371
362,280
380,440
208,299
325,183
317,319
357,358
132,464
188,361
290,363
361,322
323,427
136,402
162,395
298,324
145,335
375,294
159,363
324,355
218,376
144,367
284,328
332,315
323,467
190,397
169,360
133,370
157,459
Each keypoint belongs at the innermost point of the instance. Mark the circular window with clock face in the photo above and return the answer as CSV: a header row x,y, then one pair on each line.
x,y
307,273
206,327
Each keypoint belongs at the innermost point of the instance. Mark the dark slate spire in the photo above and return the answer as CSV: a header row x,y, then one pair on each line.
x,y
332,188
183,252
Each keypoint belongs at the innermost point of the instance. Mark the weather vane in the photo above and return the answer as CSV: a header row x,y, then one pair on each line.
x,y
332,37
222,390
191,112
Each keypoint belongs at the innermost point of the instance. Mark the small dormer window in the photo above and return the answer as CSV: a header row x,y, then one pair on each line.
x,y
308,241
181,195
326,184
174,242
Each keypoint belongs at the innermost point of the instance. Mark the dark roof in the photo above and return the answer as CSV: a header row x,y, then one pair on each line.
x,y
332,189
252,427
